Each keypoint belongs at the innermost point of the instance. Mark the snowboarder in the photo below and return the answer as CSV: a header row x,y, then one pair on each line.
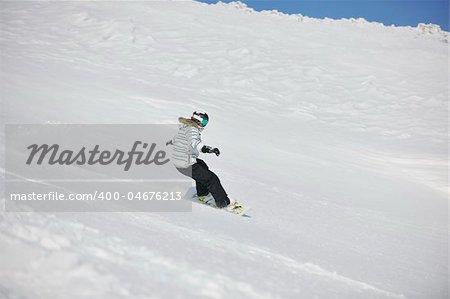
x,y
187,145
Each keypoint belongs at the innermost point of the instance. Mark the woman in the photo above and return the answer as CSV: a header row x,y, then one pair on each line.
x,y
186,145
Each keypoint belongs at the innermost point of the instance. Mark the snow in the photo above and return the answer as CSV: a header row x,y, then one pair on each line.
x,y
334,131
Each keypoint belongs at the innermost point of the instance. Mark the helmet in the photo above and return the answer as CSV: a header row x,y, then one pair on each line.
x,y
200,118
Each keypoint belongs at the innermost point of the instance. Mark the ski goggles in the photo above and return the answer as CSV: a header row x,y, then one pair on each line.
x,y
200,120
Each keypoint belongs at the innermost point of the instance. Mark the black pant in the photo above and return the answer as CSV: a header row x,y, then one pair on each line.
x,y
206,182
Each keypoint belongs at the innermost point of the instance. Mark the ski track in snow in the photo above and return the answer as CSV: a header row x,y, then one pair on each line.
x,y
334,132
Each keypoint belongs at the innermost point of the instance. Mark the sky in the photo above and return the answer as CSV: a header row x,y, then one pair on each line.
x,y
388,12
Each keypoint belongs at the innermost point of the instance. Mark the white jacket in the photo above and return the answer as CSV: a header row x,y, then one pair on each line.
x,y
186,145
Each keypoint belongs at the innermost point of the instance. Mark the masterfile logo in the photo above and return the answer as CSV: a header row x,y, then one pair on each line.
x,y
63,168
84,156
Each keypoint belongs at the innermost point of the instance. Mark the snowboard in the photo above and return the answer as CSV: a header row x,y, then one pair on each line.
x,y
209,201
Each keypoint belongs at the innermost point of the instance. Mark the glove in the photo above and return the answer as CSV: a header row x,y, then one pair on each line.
x,y
216,151
169,142
209,150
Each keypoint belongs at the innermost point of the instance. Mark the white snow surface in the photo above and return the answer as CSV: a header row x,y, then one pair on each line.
x,y
334,131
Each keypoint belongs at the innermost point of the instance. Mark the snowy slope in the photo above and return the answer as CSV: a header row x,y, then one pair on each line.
x,y
334,131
